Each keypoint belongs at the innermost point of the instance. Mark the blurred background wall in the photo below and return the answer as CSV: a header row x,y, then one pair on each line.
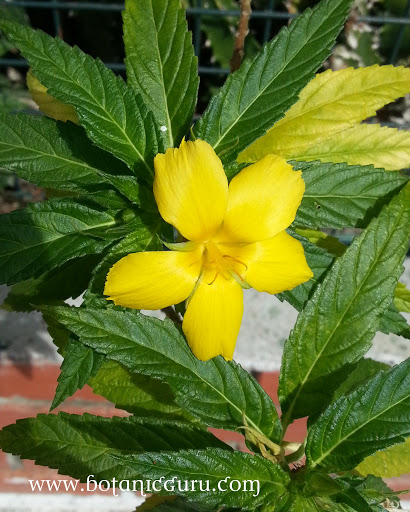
x,y
378,32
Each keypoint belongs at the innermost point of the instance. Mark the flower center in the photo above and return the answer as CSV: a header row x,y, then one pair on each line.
x,y
215,262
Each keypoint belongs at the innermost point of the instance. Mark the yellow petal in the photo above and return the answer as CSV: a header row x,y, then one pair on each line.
x,y
153,280
213,318
263,199
274,265
191,189
47,104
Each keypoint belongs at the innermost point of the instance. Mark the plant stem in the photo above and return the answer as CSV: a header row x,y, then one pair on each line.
x,y
172,315
243,30
296,455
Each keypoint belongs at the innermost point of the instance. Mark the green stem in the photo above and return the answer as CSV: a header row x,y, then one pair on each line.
x,y
296,455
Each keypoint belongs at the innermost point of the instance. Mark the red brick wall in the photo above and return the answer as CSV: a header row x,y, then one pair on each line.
x,y
27,390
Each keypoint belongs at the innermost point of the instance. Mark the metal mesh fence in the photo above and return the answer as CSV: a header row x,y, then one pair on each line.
x,y
268,19
196,13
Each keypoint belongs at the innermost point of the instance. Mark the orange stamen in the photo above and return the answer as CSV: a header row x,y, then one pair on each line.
x,y
228,257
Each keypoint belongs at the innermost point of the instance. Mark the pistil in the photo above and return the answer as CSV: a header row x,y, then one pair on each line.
x,y
215,261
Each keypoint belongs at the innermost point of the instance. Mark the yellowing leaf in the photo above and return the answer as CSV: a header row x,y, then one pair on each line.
x,y
47,104
323,240
332,102
395,461
364,144
402,298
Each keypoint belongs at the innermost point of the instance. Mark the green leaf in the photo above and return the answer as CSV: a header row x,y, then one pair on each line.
x,y
395,461
112,199
353,499
60,334
402,298
80,363
262,90
298,503
143,238
220,393
68,281
393,322
371,418
80,446
161,64
114,117
320,249
58,155
321,484
373,490
349,493
337,325
140,395
158,503
211,466
365,370
46,235
319,256
340,196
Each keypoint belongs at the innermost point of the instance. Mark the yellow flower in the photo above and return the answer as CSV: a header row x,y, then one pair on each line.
x,y
236,239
